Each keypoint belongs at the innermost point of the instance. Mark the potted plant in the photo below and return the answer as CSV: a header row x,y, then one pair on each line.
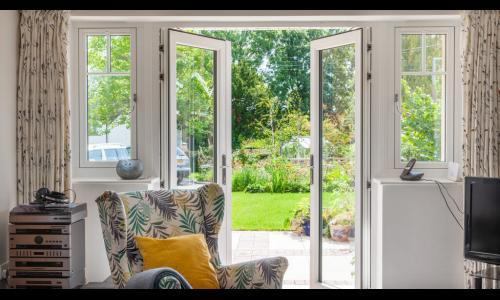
x,y
341,227
301,220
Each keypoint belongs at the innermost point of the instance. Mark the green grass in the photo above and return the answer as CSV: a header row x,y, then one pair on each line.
x,y
268,211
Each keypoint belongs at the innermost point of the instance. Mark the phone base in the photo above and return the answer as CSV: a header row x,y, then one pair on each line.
x,y
412,176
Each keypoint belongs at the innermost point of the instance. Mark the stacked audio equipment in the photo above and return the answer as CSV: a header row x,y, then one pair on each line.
x,y
47,245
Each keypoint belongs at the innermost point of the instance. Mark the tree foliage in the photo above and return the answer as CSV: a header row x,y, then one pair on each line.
x,y
420,125
108,95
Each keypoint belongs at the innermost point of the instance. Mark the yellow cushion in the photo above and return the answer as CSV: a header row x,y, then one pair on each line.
x,y
187,254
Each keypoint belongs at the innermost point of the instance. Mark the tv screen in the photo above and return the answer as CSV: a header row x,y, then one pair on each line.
x,y
482,219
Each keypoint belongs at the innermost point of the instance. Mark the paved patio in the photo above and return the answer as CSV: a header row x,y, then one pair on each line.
x,y
338,257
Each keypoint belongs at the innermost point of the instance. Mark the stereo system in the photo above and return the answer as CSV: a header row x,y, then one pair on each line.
x,y
46,246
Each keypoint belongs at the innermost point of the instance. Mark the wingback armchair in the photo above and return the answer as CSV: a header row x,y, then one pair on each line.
x,y
165,213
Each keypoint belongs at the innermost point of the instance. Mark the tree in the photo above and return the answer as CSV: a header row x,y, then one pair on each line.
x,y
108,98
266,64
108,103
420,124
248,92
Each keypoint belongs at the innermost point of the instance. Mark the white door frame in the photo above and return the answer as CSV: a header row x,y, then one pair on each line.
x,y
360,37
222,141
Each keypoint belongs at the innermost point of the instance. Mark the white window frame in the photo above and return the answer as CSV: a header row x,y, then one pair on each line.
x,y
82,92
447,136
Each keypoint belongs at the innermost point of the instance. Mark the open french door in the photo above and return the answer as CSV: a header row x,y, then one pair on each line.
x,y
340,81
196,117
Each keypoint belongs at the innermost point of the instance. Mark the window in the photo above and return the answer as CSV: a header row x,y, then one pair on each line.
x,y
423,95
107,93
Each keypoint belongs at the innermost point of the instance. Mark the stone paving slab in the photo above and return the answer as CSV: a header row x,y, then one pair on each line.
x,y
337,256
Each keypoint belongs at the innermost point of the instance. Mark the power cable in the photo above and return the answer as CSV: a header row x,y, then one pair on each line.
x,y
446,201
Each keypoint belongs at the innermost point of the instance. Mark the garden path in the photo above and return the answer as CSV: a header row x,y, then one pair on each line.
x,y
338,256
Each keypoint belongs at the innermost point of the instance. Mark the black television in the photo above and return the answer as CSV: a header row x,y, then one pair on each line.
x,y
482,219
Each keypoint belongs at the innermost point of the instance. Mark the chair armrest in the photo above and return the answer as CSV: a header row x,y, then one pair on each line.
x,y
159,278
264,273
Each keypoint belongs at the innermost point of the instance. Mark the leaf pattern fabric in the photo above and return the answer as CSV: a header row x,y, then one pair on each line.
x,y
43,133
166,213
264,273
481,96
169,283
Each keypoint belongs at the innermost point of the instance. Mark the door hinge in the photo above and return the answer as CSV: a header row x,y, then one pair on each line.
x,y
162,76
369,75
162,48
369,184
369,47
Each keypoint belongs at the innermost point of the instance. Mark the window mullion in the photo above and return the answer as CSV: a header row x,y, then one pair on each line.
x,y
108,43
424,53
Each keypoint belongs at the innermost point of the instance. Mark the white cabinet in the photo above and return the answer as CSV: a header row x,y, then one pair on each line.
x,y
415,242
87,190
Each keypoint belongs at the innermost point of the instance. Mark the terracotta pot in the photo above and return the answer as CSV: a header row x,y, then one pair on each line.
x,y
340,233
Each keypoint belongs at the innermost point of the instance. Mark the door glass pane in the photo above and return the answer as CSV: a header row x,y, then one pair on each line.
x,y
195,93
337,250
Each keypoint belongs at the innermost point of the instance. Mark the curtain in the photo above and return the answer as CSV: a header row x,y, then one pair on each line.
x,y
43,139
480,71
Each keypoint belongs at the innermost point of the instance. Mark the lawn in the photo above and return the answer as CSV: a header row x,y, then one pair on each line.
x,y
268,211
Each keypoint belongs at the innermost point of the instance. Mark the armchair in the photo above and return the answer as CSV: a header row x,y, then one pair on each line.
x,y
166,213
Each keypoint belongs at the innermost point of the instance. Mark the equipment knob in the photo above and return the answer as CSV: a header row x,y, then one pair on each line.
x,y
38,239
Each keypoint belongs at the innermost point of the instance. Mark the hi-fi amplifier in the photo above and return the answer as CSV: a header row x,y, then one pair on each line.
x,y
47,245
76,279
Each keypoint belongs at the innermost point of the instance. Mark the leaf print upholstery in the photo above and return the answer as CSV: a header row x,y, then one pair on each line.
x,y
165,213
264,273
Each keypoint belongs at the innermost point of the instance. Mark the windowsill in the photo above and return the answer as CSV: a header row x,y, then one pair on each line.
x,y
396,180
106,180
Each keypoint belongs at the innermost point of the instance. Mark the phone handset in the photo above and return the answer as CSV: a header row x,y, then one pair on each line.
x,y
407,173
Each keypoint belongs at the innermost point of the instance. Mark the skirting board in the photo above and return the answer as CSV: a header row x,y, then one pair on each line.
x,y
3,270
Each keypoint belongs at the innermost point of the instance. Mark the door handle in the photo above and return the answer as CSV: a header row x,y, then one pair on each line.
x,y
311,169
223,167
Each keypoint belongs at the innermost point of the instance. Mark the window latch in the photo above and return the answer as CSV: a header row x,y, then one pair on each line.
x,y
396,103
134,99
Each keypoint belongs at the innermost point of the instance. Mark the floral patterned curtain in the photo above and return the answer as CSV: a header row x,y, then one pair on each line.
x,y
43,141
481,96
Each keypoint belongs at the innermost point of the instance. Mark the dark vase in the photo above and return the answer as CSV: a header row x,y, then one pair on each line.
x,y
129,168
307,227
351,232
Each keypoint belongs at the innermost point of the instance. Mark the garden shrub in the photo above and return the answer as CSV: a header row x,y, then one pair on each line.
x,y
271,176
338,179
244,177
255,188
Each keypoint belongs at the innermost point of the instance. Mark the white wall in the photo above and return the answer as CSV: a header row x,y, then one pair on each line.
x,y
8,87
416,243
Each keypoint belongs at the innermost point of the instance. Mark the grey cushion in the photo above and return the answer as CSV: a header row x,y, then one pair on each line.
x,y
157,279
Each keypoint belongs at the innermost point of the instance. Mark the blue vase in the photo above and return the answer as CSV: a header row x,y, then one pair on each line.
x,y
307,227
